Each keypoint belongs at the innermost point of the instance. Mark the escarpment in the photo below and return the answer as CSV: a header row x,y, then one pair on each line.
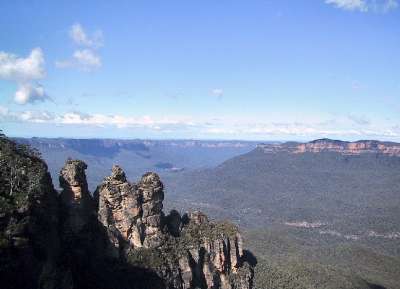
x,y
117,238
336,146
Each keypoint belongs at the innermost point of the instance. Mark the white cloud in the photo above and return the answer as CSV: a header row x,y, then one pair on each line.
x,y
20,69
381,6
102,120
360,5
28,92
86,59
24,72
342,127
218,92
80,37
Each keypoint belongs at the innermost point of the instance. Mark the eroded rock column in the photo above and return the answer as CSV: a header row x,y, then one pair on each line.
x,y
131,214
120,211
75,195
151,190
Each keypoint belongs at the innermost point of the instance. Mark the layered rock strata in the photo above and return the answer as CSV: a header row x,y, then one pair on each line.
x,y
328,145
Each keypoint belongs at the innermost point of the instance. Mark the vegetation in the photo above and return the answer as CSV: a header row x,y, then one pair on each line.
x,y
194,233
17,163
146,258
286,260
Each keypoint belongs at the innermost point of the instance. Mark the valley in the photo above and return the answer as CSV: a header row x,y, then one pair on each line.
x,y
324,210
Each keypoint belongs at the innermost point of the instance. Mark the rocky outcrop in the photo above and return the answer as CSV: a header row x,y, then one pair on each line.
x,y
186,252
118,210
75,196
117,240
131,213
213,255
342,147
151,191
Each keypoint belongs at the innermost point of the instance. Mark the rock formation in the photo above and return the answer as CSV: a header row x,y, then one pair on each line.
x,y
75,196
120,239
186,252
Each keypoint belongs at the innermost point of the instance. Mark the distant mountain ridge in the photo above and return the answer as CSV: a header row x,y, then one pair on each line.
x,y
329,145
136,155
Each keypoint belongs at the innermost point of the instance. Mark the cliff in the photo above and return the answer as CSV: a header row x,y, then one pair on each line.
x,y
186,251
29,240
328,145
119,238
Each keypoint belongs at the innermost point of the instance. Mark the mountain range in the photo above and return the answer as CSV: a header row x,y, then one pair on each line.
x,y
135,156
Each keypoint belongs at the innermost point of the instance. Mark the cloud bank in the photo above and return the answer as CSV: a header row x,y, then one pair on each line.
x,y
25,72
215,128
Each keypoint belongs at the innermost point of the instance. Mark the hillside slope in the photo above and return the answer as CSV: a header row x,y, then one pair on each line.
x,y
354,195
308,206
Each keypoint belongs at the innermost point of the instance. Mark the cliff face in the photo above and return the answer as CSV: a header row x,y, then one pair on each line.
x,y
118,239
29,242
328,145
131,213
186,252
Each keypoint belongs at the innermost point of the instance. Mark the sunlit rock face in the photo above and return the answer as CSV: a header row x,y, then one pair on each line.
x,y
131,213
119,210
187,251
150,189
342,147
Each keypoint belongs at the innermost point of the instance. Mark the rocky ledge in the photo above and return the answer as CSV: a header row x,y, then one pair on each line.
x,y
328,145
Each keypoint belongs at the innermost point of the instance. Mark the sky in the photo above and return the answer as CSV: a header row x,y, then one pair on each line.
x,y
210,69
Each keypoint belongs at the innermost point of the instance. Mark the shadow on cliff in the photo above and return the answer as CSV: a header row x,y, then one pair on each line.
x,y
86,265
249,257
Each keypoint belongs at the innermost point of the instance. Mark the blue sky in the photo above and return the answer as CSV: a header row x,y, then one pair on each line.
x,y
211,69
